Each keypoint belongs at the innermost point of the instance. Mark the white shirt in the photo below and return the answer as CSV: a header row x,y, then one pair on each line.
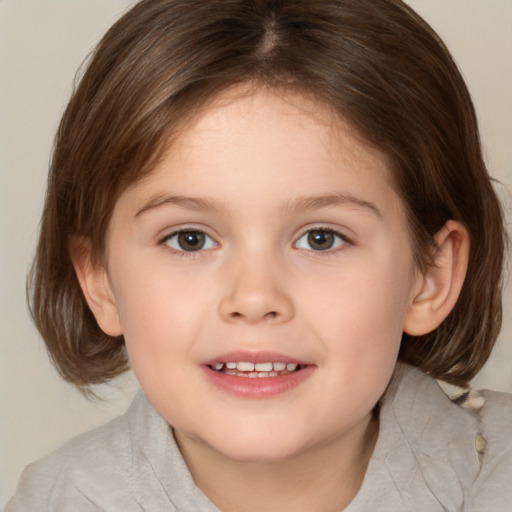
x,y
426,459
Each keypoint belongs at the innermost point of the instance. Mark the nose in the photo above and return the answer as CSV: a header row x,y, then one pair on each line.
x,y
254,293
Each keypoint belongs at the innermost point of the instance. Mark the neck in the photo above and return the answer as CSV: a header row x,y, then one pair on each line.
x,y
322,478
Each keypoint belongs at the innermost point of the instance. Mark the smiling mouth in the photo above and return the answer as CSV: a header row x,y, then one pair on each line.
x,y
256,370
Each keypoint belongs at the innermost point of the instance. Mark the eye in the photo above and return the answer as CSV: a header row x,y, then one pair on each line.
x,y
189,241
320,240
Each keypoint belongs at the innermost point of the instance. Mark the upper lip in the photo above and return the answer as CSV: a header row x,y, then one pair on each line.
x,y
254,357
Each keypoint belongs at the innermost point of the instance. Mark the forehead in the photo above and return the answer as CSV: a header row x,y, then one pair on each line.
x,y
251,141
258,117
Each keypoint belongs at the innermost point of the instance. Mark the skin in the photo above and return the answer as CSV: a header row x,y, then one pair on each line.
x,y
255,163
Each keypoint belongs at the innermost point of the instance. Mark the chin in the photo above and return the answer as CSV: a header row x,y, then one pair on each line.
x,y
258,456
257,449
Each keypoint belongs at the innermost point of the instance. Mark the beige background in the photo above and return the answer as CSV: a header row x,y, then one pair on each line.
x,y
42,43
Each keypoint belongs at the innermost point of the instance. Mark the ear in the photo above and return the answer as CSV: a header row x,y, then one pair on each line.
x,y
439,287
94,281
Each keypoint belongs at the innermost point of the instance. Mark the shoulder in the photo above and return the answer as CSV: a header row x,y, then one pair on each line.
x,y
493,412
492,489
131,464
479,423
497,411
86,471
434,454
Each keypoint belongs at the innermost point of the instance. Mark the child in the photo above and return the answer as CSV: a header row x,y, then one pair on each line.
x,y
263,205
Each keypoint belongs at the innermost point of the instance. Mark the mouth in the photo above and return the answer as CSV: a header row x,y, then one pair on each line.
x,y
256,375
256,370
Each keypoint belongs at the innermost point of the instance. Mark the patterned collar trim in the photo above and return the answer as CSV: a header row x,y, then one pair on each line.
x,y
467,397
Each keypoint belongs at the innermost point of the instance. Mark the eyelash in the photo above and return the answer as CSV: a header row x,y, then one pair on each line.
x,y
182,252
339,240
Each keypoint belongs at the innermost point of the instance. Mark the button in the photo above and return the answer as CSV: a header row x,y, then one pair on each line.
x,y
480,444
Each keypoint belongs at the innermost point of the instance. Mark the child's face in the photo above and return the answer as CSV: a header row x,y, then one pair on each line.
x,y
266,235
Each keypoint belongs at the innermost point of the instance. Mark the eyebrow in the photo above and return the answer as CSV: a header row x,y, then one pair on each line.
x,y
190,203
314,203
303,203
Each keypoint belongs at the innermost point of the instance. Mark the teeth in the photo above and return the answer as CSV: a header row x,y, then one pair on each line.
x,y
263,367
255,369
245,367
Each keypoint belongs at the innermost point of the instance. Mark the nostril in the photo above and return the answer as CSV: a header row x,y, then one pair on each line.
x,y
252,308
236,315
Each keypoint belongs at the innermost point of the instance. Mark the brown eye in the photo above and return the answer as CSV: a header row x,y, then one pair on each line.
x,y
320,240
189,241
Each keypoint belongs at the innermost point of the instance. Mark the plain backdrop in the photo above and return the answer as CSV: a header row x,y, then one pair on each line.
x,y
42,43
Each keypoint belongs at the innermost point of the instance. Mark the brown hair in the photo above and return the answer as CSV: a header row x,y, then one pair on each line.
x,y
375,62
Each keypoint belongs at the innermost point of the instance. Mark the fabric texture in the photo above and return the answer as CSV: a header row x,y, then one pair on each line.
x,y
431,455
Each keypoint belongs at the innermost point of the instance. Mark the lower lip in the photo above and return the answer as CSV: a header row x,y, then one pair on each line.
x,y
257,387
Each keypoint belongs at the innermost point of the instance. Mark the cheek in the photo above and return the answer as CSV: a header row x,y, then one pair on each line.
x,y
152,312
361,310
164,313
157,341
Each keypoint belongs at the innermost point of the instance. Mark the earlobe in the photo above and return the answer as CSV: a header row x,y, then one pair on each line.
x,y
441,283
95,286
